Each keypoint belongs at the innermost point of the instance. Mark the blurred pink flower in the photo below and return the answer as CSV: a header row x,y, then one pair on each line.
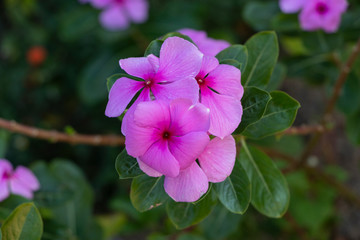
x,y
166,137
118,14
168,77
208,46
322,14
20,182
221,91
291,6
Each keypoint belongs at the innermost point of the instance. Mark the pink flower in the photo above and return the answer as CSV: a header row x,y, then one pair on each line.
x,y
118,14
291,6
208,46
322,14
20,182
168,77
167,139
221,91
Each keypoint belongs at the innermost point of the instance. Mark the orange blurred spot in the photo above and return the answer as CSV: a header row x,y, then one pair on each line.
x,y
36,55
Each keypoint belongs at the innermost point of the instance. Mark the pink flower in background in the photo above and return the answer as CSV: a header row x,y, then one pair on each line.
x,y
208,46
291,6
322,14
117,14
20,182
166,137
221,91
316,14
168,77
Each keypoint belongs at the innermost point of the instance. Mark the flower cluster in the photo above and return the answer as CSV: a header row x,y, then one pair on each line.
x,y
20,181
117,14
316,14
185,96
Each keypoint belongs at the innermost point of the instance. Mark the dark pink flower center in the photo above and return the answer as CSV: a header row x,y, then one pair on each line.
x,y
6,175
200,81
321,8
166,135
148,83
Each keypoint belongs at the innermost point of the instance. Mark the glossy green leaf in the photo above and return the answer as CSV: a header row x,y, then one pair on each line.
x,y
147,192
234,193
270,194
154,48
24,223
263,52
127,166
184,214
279,115
254,103
235,52
231,62
277,77
177,34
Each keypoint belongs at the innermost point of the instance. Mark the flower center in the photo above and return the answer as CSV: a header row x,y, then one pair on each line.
x,y
166,135
322,8
6,175
200,81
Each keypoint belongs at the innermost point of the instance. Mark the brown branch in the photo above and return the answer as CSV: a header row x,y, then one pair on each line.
x,y
345,70
303,130
55,136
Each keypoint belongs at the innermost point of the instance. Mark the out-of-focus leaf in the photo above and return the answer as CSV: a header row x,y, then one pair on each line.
x,y
321,42
154,48
353,127
4,136
285,23
127,166
277,77
254,103
188,236
177,34
279,115
349,101
234,193
263,52
147,192
183,214
270,193
24,223
257,14
235,52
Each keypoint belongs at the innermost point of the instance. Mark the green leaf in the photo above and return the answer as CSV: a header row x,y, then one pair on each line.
x,y
234,192
112,79
4,137
147,192
259,14
127,166
231,62
177,34
321,42
184,214
254,103
277,77
349,101
279,115
263,52
24,223
154,48
270,193
235,52
353,128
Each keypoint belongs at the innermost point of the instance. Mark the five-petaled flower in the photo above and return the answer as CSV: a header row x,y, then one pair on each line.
x,y
168,77
118,14
316,14
20,182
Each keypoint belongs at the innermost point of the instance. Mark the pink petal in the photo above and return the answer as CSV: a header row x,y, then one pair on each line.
x,y
218,159
27,178
100,3
179,59
188,186
187,148
137,10
154,114
120,95
195,35
225,112
114,18
139,67
4,190
184,88
159,158
19,188
226,80
5,167
187,117
148,170
143,97
291,6
209,63
211,47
